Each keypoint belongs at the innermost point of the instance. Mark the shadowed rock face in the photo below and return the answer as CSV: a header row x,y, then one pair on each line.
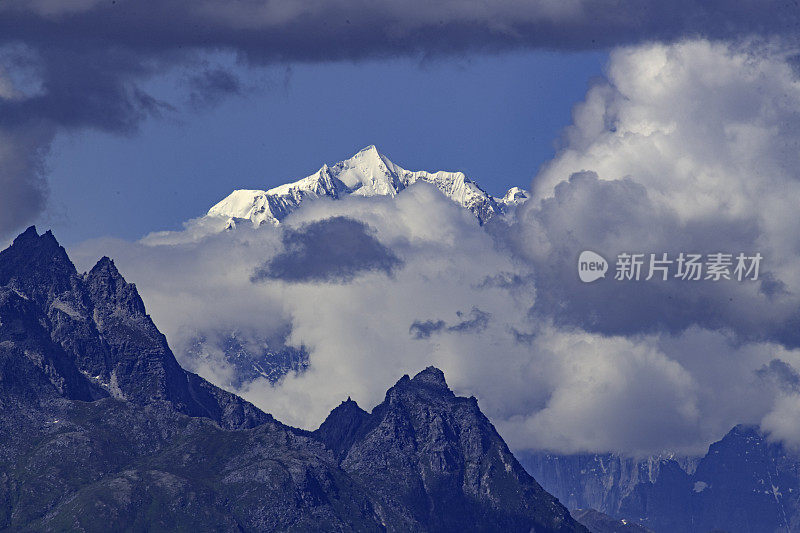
x,y
99,324
101,429
31,364
436,462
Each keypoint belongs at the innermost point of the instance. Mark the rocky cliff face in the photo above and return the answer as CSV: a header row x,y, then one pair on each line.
x,y
599,481
443,464
99,324
101,429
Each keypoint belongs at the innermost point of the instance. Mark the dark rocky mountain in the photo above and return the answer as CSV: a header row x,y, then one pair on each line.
x,y
102,430
444,466
745,483
603,482
106,343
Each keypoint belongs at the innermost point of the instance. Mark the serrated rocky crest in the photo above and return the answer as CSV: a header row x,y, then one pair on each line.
x,y
436,462
98,324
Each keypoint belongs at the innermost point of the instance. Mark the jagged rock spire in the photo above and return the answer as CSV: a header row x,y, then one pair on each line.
x,y
95,334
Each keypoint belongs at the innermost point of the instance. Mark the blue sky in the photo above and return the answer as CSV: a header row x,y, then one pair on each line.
x,y
495,117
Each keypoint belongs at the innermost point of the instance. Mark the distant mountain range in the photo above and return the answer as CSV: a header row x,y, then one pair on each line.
x,y
368,173
102,430
744,484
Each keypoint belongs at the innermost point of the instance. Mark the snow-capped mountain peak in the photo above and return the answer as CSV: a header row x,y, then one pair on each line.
x,y
515,196
367,173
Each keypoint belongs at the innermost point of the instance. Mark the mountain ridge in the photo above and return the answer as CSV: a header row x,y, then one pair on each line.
x,y
439,450
367,173
100,326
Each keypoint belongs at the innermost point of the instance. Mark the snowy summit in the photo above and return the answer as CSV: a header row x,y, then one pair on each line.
x,y
368,173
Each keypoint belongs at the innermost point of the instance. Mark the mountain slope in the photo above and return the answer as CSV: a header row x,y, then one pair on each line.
x,y
368,173
112,465
100,429
438,463
598,522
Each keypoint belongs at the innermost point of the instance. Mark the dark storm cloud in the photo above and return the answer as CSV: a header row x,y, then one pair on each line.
x,y
95,89
83,89
351,29
24,189
335,250
474,321
212,85
780,373
424,329
615,216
